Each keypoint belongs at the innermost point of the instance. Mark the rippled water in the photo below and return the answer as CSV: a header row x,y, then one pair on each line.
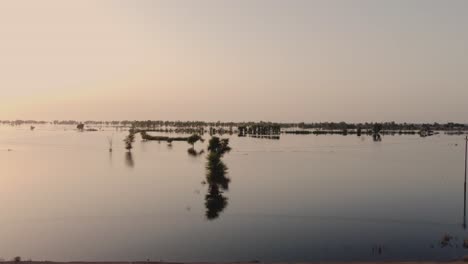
x,y
301,198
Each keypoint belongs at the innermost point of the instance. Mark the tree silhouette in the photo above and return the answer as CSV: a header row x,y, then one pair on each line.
x,y
194,139
80,126
215,201
129,140
219,146
376,132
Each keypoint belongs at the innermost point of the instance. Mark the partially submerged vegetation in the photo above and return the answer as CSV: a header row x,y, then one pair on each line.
x,y
110,140
218,146
260,129
216,177
192,140
129,140
81,127
200,127
146,137
264,130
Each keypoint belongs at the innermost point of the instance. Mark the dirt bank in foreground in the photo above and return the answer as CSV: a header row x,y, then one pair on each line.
x,y
151,262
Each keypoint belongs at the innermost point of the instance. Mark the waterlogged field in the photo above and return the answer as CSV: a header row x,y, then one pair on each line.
x,y
301,198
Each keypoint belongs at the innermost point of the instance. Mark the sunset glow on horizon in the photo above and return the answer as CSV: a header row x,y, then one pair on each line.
x,y
234,60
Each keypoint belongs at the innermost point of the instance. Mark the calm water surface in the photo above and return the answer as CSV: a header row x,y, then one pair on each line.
x,y
301,198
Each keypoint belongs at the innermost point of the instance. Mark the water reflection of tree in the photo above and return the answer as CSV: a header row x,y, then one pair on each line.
x,y
216,178
129,160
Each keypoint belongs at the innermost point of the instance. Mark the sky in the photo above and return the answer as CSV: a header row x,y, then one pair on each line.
x,y
243,60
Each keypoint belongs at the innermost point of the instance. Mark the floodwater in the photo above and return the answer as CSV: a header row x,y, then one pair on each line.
x,y
300,198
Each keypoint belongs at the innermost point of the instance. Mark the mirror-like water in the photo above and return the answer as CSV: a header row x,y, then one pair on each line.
x,y
301,198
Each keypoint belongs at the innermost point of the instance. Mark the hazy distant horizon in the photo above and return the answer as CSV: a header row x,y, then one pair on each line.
x,y
226,121
279,61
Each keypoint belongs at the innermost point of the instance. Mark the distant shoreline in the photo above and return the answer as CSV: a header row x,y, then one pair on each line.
x,y
284,126
266,130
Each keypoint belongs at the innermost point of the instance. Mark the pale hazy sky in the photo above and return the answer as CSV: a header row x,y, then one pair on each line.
x,y
402,60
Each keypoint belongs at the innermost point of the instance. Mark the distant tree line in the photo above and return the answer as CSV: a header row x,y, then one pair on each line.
x,y
22,122
384,126
247,127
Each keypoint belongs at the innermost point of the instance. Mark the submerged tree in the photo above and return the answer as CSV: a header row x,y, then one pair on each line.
x,y
358,131
192,140
80,126
219,146
215,201
376,132
377,128
129,146
110,140
129,140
